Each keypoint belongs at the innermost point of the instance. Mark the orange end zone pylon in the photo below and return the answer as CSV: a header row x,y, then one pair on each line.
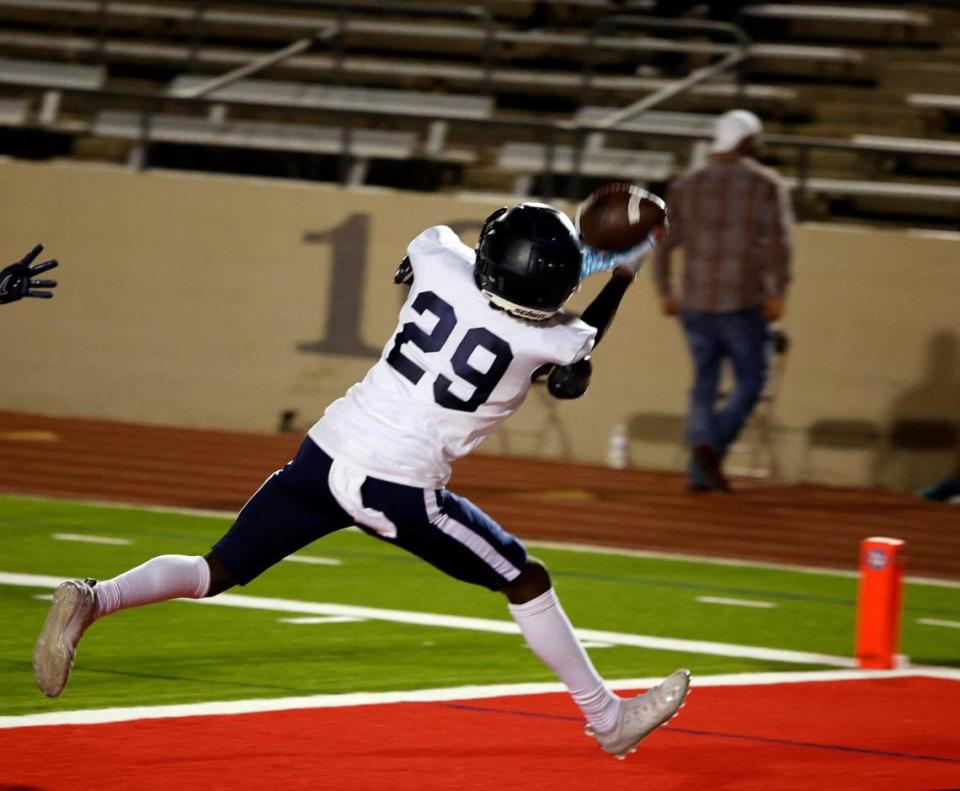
x,y
879,602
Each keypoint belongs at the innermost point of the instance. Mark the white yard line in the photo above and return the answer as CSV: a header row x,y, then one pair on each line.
x,y
99,716
509,627
478,625
30,580
85,539
313,560
558,545
938,622
765,605
312,620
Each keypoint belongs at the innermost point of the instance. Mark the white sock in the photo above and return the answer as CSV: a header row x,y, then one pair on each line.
x,y
549,634
164,577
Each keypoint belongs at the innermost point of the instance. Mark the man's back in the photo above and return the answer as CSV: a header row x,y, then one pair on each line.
x,y
732,217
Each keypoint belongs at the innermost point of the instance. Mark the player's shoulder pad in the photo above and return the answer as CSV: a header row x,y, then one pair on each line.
x,y
438,250
572,337
439,239
577,326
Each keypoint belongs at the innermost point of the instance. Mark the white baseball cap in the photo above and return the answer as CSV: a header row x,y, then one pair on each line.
x,y
732,128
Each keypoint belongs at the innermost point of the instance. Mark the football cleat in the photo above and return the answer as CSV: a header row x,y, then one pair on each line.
x,y
641,715
72,611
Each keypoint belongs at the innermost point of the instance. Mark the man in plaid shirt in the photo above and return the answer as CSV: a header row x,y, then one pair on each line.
x,y
733,219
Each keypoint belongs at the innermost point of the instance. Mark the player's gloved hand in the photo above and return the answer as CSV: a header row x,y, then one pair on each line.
x,y
16,280
627,262
570,381
404,273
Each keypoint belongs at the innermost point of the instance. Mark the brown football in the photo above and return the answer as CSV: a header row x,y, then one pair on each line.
x,y
618,216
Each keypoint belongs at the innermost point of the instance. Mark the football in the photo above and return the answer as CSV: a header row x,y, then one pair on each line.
x,y
619,216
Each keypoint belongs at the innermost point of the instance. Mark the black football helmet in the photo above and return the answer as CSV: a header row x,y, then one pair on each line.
x,y
528,260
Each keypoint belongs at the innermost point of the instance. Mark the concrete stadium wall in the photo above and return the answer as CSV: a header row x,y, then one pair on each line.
x,y
225,302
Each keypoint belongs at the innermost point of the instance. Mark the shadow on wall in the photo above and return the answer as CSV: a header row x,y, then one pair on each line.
x,y
915,446
923,423
838,450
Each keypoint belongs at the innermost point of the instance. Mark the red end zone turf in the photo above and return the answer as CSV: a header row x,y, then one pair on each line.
x,y
889,734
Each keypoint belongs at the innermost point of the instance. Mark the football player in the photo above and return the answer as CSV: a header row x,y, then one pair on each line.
x,y
476,328
16,280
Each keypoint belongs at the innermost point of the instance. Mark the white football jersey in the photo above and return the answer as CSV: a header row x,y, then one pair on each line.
x,y
454,370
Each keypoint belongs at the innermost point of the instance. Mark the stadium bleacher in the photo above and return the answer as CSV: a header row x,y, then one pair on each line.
x,y
272,92
859,100
14,112
255,134
610,164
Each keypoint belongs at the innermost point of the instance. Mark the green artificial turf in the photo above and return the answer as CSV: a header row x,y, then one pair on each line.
x,y
180,652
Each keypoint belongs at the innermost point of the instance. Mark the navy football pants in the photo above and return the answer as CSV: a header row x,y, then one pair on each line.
x,y
295,507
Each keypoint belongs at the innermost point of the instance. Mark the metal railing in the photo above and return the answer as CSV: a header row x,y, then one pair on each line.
x,y
618,22
335,33
550,133
728,62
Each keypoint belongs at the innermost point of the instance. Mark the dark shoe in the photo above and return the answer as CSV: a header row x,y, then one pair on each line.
x,y
709,462
944,491
702,488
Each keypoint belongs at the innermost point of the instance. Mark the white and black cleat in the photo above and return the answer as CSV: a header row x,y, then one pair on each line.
x,y
72,611
641,715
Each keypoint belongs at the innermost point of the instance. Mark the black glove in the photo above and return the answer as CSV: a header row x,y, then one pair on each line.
x,y
570,381
404,273
16,281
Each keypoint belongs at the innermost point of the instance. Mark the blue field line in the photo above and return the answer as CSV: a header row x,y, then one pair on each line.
x,y
753,592
210,679
613,579
398,557
394,556
715,734
469,623
459,696
695,586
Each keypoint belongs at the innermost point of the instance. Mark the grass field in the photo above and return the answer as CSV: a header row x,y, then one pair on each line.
x,y
179,652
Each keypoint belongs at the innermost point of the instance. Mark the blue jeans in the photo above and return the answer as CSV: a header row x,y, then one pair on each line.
x,y
741,337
